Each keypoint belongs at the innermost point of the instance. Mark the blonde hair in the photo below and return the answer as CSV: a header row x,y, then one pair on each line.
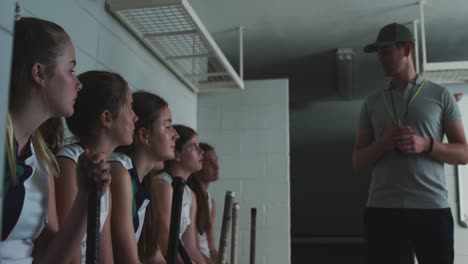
x,y
52,132
11,154
34,41
44,154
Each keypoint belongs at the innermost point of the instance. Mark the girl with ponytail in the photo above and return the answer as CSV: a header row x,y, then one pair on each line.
x,y
103,120
43,86
153,143
188,159
199,182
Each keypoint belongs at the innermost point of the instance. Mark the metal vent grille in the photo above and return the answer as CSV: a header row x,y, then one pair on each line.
x,y
446,72
174,33
447,77
440,72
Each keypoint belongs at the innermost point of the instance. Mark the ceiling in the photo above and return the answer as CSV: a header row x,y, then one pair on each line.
x,y
280,33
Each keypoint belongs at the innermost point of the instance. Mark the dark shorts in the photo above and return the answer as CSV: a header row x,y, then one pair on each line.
x,y
392,235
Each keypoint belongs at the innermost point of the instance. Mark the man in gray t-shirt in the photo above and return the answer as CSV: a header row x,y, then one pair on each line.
x,y
400,138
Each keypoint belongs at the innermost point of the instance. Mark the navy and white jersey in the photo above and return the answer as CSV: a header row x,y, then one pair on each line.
x,y
140,198
25,207
73,153
186,203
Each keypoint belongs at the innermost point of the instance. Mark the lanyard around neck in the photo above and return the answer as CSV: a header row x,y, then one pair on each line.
x,y
393,113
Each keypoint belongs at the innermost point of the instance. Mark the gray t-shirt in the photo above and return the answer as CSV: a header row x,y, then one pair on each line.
x,y
407,180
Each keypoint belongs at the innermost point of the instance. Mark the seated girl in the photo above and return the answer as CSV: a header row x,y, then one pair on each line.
x,y
153,143
199,182
188,159
103,120
43,86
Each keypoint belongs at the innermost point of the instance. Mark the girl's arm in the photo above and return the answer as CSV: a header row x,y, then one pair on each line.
x,y
124,241
190,235
163,193
62,246
52,227
65,193
211,233
53,223
105,240
156,259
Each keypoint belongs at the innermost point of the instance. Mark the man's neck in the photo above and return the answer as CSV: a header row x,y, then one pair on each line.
x,y
400,81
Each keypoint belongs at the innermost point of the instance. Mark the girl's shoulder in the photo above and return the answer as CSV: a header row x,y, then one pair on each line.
x,y
121,158
72,151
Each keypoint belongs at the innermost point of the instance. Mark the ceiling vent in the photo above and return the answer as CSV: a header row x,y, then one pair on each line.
x,y
173,32
439,72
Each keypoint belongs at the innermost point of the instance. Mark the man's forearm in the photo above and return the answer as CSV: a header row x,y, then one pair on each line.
x,y
451,153
364,158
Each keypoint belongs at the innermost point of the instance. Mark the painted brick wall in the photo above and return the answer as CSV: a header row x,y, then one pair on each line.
x,y
250,132
461,233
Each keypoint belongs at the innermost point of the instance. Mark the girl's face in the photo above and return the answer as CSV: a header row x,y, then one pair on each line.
x,y
191,155
209,171
125,121
163,136
61,88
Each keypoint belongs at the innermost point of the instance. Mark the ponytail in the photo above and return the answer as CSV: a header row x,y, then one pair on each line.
x,y
11,151
44,154
203,217
149,240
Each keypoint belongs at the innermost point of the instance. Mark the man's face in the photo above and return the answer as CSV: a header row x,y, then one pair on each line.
x,y
392,58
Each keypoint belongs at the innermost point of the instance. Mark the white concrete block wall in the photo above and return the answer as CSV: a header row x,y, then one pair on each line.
x,y
250,132
7,14
102,43
461,233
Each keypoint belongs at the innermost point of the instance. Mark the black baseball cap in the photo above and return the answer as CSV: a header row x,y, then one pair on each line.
x,y
389,34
